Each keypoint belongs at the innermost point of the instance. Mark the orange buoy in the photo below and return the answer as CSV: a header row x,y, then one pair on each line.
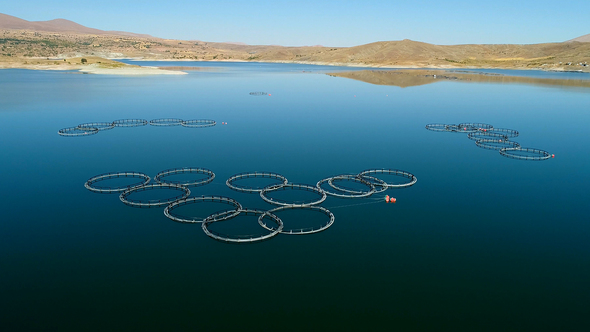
x,y
387,198
392,200
552,156
269,94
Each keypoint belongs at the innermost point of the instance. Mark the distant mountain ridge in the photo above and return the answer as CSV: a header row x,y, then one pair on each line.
x,y
581,39
58,25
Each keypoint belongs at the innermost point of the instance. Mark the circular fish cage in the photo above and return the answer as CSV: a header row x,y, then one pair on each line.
x,y
169,210
98,125
198,123
242,238
379,185
452,128
292,186
509,133
475,136
347,193
90,184
395,172
245,175
437,127
492,144
160,177
77,131
259,93
124,197
536,153
130,123
300,231
166,122
470,126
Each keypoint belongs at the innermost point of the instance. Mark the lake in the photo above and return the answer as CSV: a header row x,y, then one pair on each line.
x,y
480,242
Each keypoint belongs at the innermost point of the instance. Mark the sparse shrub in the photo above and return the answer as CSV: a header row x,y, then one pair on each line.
x,y
84,60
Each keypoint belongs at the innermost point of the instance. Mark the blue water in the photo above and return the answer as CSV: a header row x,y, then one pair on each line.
x,y
481,242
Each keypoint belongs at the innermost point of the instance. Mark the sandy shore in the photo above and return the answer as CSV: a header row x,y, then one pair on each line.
x,y
96,69
129,71
92,65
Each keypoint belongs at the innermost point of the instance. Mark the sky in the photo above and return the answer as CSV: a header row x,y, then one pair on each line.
x,y
327,23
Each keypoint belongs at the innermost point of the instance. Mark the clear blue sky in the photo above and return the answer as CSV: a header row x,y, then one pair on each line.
x,y
328,23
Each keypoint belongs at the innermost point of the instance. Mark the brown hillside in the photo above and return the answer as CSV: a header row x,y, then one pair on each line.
x,y
417,54
57,25
581,39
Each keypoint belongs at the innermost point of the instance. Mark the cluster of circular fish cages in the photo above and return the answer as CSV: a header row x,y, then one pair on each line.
x,y
91,128
488,137
367,183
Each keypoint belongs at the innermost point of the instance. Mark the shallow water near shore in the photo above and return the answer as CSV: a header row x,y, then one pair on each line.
x,y
480,242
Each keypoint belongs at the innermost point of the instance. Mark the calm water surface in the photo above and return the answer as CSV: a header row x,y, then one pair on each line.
x,y
481,242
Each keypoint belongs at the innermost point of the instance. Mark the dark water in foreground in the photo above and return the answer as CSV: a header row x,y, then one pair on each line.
x,y
481,242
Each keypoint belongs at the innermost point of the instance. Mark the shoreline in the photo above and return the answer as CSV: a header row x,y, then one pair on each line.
x,y
359,65
127,70
123,69
85,65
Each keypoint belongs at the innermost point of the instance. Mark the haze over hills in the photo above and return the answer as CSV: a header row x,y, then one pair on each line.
x,y
21,39
57,25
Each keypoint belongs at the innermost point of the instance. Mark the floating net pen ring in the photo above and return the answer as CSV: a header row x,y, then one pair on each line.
x,y
486,135
77,131
347,195
509,133
376,183
124,197
198,123
245,175
130,123
509,152
166,122
107,176
437,127
458,129
395,172
305,187
488,144
242,238
169,210
475,126
380,185
98,125
159,178
300,231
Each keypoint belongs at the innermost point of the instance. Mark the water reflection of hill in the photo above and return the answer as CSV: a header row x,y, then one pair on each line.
x,y
408,78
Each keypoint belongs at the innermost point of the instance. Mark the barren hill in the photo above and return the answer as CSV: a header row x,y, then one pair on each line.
x,y
57,25
408,53
581,39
